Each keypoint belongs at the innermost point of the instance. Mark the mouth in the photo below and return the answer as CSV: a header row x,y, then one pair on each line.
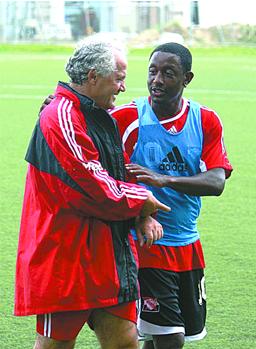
x,y
157,92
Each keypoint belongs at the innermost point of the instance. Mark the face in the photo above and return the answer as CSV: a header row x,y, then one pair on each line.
x,y
166,78
109,87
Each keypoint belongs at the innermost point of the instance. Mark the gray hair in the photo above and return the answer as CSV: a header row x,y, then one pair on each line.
x,y
91,54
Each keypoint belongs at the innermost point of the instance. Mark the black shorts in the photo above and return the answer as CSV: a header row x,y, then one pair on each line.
x,y
172,302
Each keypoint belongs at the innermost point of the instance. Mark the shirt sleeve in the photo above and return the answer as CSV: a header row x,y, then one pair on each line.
x,y
127,122
214,152
98,194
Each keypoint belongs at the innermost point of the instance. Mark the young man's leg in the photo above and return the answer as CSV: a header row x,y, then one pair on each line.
x,y
172,304
160,314
171,341
148,345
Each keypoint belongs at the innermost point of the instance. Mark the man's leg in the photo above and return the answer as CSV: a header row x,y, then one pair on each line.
x,y
49,343
59,330
114,332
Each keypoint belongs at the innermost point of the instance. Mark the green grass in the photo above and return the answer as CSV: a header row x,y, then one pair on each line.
x,y
225,80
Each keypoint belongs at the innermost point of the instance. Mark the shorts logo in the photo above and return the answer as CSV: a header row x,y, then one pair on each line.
x,y
150,305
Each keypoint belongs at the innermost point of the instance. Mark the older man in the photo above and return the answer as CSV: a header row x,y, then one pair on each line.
x,y
76,259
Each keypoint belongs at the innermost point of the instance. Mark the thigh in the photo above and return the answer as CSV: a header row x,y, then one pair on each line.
x,y
193,303
112,331
62,326
160,312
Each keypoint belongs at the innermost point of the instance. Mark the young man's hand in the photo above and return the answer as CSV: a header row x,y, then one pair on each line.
x,y
146,176
47,101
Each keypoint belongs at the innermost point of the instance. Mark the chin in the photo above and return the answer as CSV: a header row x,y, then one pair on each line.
x,y
157,100
111,105
106,106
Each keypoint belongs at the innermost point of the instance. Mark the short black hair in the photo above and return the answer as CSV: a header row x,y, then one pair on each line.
x,y
178,50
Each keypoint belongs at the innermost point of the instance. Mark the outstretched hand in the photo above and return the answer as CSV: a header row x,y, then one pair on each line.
x,y
146,176
152,205
47,101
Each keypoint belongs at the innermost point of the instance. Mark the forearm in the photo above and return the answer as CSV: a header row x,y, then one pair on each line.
x,y
207,183
210,183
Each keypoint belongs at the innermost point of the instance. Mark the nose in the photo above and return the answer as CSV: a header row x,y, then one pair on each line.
x,y
158,77
122,87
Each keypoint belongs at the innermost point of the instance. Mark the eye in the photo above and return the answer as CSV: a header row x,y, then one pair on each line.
x,y
152,71
169,73
120,81
120,78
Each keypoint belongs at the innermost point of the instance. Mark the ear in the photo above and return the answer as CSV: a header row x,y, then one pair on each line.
x,y
92,76
188,77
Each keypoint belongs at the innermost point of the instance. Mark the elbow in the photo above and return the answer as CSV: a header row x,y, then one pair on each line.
x,y
217,181
218,192
219,188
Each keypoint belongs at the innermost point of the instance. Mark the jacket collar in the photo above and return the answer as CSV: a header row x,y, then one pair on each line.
x,y
83,101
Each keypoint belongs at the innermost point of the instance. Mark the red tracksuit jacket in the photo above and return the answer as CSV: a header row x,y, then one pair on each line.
x,y
69,255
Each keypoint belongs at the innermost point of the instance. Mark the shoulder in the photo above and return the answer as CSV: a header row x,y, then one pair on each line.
x,y
62,116
209,114
125,115
210,120
123,109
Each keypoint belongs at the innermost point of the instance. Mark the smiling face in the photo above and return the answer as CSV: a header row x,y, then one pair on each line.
x,y
108,87
166,79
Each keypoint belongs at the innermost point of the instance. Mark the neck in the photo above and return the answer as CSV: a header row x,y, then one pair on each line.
x,y
79,88
167,110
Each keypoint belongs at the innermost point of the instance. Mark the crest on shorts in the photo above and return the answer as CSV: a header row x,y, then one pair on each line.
x,y
150,305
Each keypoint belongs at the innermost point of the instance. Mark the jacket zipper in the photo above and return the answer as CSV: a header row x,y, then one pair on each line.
x,y
127,266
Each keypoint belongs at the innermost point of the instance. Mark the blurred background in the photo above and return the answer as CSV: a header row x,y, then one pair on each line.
x,y
137,22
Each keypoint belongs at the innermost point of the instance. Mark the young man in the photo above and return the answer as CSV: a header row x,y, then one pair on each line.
x,y
76,259
179,145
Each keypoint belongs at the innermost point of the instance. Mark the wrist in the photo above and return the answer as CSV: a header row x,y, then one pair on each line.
x,y
143,217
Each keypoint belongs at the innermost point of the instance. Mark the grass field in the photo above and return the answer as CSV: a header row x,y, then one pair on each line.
x,y
225,80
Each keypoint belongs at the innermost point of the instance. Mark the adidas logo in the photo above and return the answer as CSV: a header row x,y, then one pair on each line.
x,y
173,161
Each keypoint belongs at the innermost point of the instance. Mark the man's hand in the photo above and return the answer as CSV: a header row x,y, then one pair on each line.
x,y
148,230
152,205
146,176
46,102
